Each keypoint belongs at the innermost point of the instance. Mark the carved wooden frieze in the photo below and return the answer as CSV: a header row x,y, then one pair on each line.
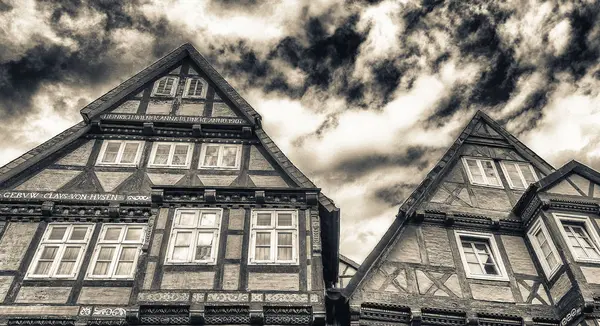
x,y
163,296
316,231
286,297
227,297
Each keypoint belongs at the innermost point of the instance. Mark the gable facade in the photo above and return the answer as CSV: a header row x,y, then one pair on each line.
x,y
168,204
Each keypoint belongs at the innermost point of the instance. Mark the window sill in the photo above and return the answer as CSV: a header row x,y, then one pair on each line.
x,y
117,165
488,278
176,167
212,263
218,168
487,186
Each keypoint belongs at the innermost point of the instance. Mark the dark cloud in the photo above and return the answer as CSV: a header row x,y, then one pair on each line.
x,y
396,194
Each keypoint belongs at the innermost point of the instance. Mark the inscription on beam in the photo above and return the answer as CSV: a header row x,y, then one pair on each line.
x,y
26,195
180,119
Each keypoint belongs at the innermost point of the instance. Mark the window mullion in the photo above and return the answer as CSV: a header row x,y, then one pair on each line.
x,y
57,259
482,171
477,257
120,152
523,181
194,245
274,257
171,154
114,261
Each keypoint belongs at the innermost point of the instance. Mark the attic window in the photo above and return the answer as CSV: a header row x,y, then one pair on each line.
x,y
482,172
480,256
165,86
171,155
120,152
195,88
220,156
518,174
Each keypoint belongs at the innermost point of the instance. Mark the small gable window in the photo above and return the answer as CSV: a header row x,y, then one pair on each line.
x,y
220,156
171,155
195,236
544,248
61,251
274,237
482,172
120,152
480,256
165,86
195,88
518,174
581,237
117,251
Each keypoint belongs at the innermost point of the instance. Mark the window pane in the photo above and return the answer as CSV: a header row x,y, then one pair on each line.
x,y
284,219
111,152
128,254
284,253
513,174
211,156
490,269
180,155
162,154
78,233
263,219
112,234
490,173
551,260
133,234
187,219
208,219
229,155
65,268
49,253
124,268
43,268
526,170
129,153
180,253
475,171
475,268
183,239
263,238
471,257
284,239
101,268
263,253
204,246
57,233
106,253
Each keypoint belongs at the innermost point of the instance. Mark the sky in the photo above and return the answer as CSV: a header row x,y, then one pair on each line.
x,y
363,96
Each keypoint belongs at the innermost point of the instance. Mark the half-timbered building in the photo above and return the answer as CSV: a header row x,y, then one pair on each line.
x,y
168,204
493,235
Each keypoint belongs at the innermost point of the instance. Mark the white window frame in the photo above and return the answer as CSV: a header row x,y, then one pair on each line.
x,y
62,244
523,185
195,230
238,157
173,90
481,169
589,228
495,252
274,229
188,82
122,144
540,226
118,244
188,159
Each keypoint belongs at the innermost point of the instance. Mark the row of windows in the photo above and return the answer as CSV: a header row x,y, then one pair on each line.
x,y
194,239
169,155
195,87
481,258
483,172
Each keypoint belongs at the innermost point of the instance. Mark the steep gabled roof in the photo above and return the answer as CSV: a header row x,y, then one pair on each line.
x,y
349,261
132,84
553,178
433,178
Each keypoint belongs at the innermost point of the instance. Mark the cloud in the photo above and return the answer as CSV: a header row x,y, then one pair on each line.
x,y
363,96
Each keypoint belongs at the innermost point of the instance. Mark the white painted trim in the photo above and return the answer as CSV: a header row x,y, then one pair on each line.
x,y
274,229
173,90
122,144
118,244
503,276
169,164
589,228
479,165
521,176
195,230
188,82
540,226
61,244
238,157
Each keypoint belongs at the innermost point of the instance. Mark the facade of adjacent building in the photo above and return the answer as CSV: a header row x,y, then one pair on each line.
x,y
170,205
493,235
167,205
